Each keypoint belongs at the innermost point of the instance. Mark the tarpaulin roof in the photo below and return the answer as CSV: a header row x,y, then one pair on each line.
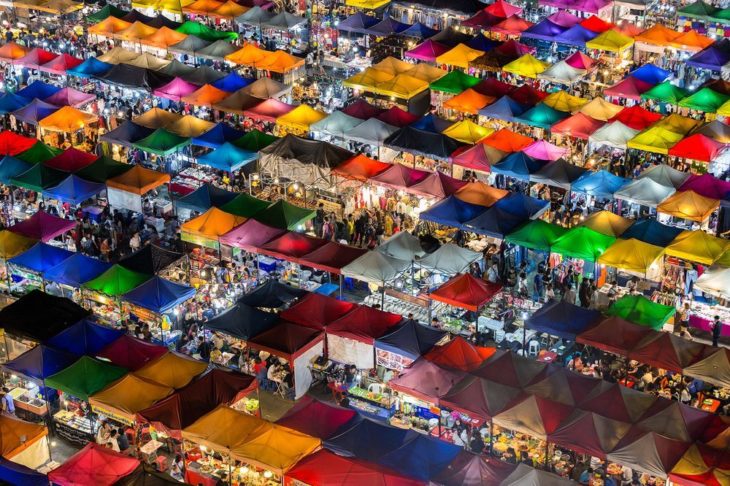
x,y
449,259
465,291
600,184
42,226
397,117
459,354
507,141
251,235
689,205
562,73
212,224
242,321
364,324
335,124
159,295
541,115
410,339
123,399
94,464
291,246
131,353
138,180
607,223
452,212
84,337
642,311
469,101
579,60
38,177
534,416
361,109
648,452
205,197
615,134
204,32
610,41
34,58
715,281
41,257
38,90
629,88
665,92
697,147
711,58
665,175
478,157
34,111
85,377
501,219
510,369
667,351
402,245
544,30
712,366
70,97
175,89
614,335
562,319
537,235
75,270
527,66
217,135
563,101
272,294
116,281
697,246
427,51
12,244
317,311
39,316
331,257
40,362
151,259
285,339
478,397
239,102
133,77
705,100
161,142
460,56
207,95
360,167
589,433
419,30
645,192
562,385
631,255
189,126
559,173
172,370
582,243
15,473
190,44
126,134
11,51
577,35
284,215
265,88
118,55
232,82
10,102
227,157
74,190
375,267
701,464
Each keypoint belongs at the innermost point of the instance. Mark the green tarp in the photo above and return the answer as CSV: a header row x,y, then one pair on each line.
x,y
103,169
699,9
206,33
283,215
161,142
38,153
583,243
106,11
38,178
705,100
85,377
537,235
640,310
255,140
455,82
665,92
117,281
245,205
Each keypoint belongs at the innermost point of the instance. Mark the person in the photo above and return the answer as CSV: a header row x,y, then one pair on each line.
x,y
104,433
113,443
123,441
584,293
493,273
683,320
203,349
176,468
476,444
135,242
319,219
8,405
716,330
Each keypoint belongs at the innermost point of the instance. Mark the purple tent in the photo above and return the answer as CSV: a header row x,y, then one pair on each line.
x,y
42,226
564,19
70,97
175,89
708,186
712,58
387,27
358,23
575,36
427,51
34,112
545,30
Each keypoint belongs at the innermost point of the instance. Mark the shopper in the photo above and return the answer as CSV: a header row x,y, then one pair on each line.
x,y
716,330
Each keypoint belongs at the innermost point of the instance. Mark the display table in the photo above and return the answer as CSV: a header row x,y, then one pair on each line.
x,y
699,322
193,475
77,430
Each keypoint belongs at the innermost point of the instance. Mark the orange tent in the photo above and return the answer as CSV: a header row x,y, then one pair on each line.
x,y
480,193
212,224
138,180
248,55
12,51
230,10
207,95
469,101
164,38
18,436
658,35
689,205
691,41
280,62
507,141
135,32
108,26
156,118
68,120
202,7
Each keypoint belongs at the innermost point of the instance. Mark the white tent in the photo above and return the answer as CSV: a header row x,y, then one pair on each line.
x,y
665,175
615,134
562,73
449,259
372,131
645,192
403,246
715,281
375,267
525,475
335,125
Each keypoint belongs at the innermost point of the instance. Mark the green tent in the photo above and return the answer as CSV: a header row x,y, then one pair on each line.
x,y
161,142
117,281
455,82
541,115
640,310
103,169
723,14
206,33
85,377
39,152
705,100
38,178
283,215
537,235
245,205
255,140
699,9
665,92
582,243
106,11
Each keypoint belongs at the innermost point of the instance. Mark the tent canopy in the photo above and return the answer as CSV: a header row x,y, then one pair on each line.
x,y
76,270
459,354
410,340
642,311
204,198
317,311
631,255
242,321
131,353
138,180
466,292
116,281
284,215
159,295
151,259
560,318
42,226
172,370
272,294
697,246
94,464
41,257
40,362
85,377
537,235
84,337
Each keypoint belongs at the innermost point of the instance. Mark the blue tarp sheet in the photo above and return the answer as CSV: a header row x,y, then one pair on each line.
x,y
518,165
11,167
653,232
599,184
495,222
74,190
10,102
76,270
228,157
432,123
504,108
126,134
41,257
38,89
522,205
16,474
159,295
89,68
40,362
204,198
575,36
452,212
545,30
85,337
649,73
410,340
217,136
559,318
232,82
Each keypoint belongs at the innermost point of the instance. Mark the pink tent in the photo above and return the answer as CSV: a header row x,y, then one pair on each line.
x,y
478,157
60,64
590,6
94,464
42,226
250,235
426,381
398,176
502,9
544,150
70,97
630,88
579,60
427,51
269,110
707,185
564,19
437,185
577,126
175,89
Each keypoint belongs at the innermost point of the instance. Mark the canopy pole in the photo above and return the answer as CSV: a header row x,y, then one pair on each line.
x,y
382,297
341,281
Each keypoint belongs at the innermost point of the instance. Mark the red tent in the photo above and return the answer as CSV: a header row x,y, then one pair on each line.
x,y
577,126
637,117
478,157
478,397
596,24
71,160
474,470
534,416
510,369
426,381
697,147
42,226
398,176
12,144
459,354
324,468
438,185
466,291
364,324
527,95
397,117
562,385
698,467
618,402
131,353
286,340
362,109
251,235
514,49
648,452
667,351
291,246
360,168
61,63
94,465
34,58
630,88
675,420
317,311
493,87
332,256
315,418
589,433
502,9
615,335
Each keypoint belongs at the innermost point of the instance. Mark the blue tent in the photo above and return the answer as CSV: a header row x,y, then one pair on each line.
x,y
518,165
10,102
504,108
19,475
419,31
495,222
126,134
649,73
232,82
227,157
41,257
386,27
204,198
452,212
545,30
652,231
38,89
76,270
358,23
217,136
481,43
85,337
432,123
35,111
600,184
522,205
562,319
159,295
40,362
410,339
11,167
575,36
89,68
422,458
74,190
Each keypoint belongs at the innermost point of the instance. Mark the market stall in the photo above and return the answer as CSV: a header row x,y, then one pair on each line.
x,y
94,464
104,293
24,443
130,353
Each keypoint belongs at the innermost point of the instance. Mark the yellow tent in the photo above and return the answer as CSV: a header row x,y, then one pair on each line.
x,y
689,205
156,118
123,399
698,246
189,126
300,118
148,61
23,442
248,55
108,26
610,41
230,10
600,109
656,139
164,5
467,131
202,7
426,72
118,55
459,56
724,260
163,38
607,223
367,4
280,62
393,66
207,227
172,370
565,102
12,244
402,86
367,79
631,255
527,66
468,101
223,429
68,120
677,123
135,32
276,448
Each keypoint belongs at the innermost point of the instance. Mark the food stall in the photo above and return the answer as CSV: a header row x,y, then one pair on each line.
x,y
120,401
24,443
11,245
128,189
463,291
104,293
130,353
26,270
68,276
